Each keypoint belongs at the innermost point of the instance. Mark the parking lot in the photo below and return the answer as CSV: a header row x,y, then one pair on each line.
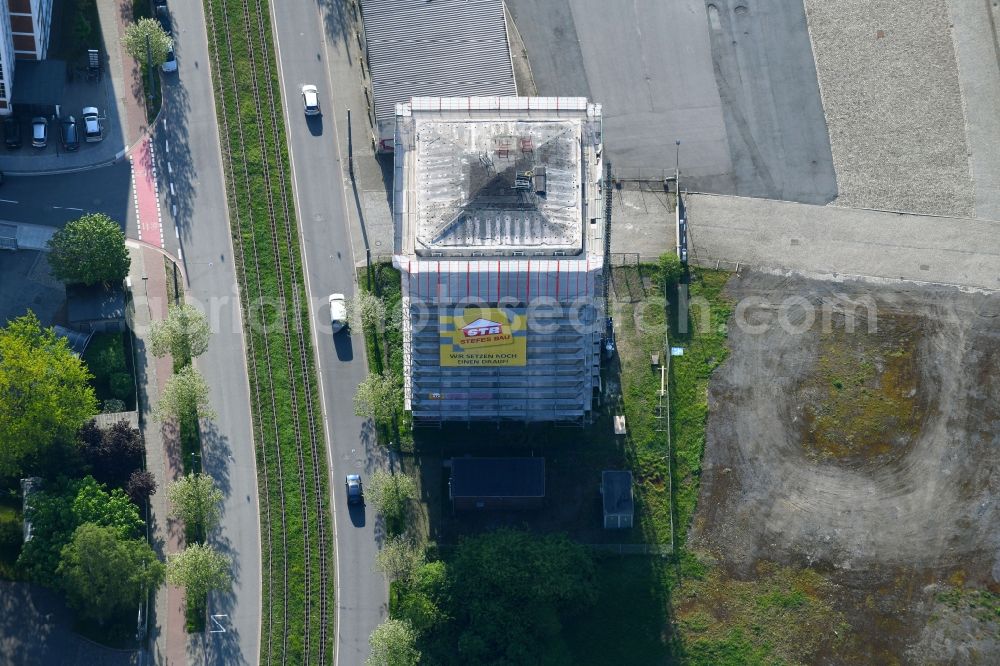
x,y
733,81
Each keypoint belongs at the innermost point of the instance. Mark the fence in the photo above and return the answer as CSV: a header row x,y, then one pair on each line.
x,y
658,549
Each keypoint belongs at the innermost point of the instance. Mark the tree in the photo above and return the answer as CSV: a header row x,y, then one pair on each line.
x,y
89,250
391,494
94,504
141,486
112,454
378,397
197,502
671,268
135,40
199,569
399,558
184,334
104,575
54,514
366,309
511,590
185,394
393,643
425,598
44,394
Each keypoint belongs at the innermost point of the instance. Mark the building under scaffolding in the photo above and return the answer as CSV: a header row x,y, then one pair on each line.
x,y
499,219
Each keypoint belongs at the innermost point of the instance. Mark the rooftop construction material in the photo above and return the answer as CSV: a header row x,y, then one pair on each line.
x,y
498,212
445,47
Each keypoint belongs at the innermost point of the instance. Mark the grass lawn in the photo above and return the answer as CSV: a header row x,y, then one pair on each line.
x,y
629,621
385,352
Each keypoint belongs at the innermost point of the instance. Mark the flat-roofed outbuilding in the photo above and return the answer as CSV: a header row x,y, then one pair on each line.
x,y
497,483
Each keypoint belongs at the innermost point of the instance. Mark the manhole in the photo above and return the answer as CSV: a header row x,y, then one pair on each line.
x,y
796,241
741,9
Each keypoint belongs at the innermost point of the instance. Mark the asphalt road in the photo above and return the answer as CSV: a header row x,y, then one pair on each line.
x,y
735,84
57,199
187,149
321,193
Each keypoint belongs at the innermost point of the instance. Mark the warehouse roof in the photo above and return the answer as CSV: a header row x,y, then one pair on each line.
x,y
441,48
498,477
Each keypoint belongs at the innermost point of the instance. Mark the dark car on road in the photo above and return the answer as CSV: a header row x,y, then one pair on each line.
x,y
163,16
355,494
70,134
11,133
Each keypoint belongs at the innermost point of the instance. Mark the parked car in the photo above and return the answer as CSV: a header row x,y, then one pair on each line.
x,y
92,130
338,312
170,64
355,493
70,134
39,132
310,100
12,132
163,16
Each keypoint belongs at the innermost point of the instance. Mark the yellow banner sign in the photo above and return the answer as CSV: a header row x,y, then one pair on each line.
x,y
483,337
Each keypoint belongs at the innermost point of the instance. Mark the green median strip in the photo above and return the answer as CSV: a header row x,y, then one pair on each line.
x,y
268,266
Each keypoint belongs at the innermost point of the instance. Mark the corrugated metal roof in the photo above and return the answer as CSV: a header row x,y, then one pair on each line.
x,y
436,48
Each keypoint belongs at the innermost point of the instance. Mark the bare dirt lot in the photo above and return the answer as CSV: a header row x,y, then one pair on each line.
x,y
869,455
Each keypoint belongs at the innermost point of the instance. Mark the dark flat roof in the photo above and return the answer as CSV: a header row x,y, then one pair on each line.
x,y
616,486
39,82
498,477
94,302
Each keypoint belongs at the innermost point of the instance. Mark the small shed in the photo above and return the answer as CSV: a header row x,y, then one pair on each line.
x,y
619,507
496,483
96,308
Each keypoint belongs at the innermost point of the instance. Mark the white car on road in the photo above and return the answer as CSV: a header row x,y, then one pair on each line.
x,y
310,100
338,312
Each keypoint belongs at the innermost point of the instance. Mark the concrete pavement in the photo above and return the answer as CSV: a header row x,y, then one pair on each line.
x,y
167,640
845,242
331,236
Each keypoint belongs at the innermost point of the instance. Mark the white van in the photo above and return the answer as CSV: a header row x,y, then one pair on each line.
x,y
338,312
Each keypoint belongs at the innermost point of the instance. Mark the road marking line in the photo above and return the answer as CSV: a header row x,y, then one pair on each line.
x,y
79,210
8,201
170,168
166,144
177,234
172,190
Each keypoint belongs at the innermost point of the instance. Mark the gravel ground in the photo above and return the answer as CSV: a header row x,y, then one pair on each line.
x,y
889,82
870,457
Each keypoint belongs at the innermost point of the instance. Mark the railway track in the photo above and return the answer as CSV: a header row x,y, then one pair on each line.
x,y
292,336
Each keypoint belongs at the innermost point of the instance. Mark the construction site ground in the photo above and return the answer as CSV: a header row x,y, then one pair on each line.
x,y
849,492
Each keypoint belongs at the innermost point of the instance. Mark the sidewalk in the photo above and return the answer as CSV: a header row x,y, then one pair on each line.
x,y
167,638
125,73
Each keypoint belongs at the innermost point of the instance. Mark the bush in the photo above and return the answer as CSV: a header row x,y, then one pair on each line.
x,y
113,406
141,485
120,384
